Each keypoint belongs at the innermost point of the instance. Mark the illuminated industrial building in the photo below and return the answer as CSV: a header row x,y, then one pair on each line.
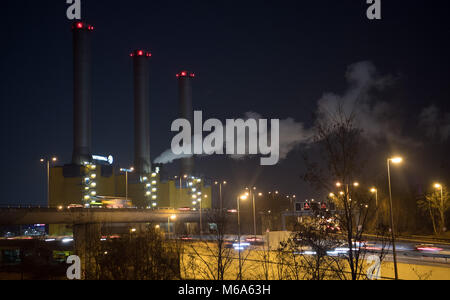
x,y
98,182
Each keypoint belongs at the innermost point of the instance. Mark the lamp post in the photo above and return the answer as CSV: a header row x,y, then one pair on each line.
x,y
375,191
254,213
48,161
126,171
441,188
173,217
220,184
201,221
239,198
395,160
355,184
348,208
181,185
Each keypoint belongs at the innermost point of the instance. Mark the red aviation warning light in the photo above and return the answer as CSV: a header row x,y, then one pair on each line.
x,y
80,25
140,53
185,74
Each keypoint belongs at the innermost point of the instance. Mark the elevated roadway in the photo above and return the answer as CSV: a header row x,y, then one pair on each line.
x,y
79,216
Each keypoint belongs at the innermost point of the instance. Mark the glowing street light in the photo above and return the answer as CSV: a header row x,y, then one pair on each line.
x,y
173,218
242,197
220,184
439,186
48,161
394,160
130,170
375,191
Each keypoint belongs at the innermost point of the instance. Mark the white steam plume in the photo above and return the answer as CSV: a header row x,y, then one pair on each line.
x,y
435,123
374,117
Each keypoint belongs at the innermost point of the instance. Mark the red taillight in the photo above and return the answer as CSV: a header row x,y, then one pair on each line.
x,y
79,25
183,73
140,53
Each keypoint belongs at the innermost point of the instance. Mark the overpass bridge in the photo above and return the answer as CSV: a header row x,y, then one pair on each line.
x,y
87,223
81,216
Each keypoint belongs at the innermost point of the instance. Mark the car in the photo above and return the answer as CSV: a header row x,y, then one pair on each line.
x,y
186,238
427,248
184,209
72,206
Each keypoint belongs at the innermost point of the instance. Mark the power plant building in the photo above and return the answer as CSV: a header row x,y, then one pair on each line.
x,y
91,181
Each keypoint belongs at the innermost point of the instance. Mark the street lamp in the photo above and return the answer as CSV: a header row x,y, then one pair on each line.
x,y
292,201
126,171
48,161
173,218
338,184
394,160
441,188
375,191
239,198
201,221
181,184
220,193
254,213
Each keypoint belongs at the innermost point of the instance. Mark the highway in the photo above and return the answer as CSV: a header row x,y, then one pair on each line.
x,y
26,216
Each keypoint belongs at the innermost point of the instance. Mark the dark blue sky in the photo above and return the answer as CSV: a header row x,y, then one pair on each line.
x,y
276,58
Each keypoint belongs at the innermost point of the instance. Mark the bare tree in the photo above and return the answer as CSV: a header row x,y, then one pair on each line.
x,y
141,255
436,204
342,159
211,257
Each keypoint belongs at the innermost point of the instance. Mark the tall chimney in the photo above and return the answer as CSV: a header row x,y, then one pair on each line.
x,y
187,112
82,95
142,162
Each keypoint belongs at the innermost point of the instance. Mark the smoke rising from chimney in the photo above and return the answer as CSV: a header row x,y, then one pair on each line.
x,y
373,116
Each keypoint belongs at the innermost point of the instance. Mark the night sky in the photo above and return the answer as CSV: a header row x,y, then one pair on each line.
x,y
276,58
